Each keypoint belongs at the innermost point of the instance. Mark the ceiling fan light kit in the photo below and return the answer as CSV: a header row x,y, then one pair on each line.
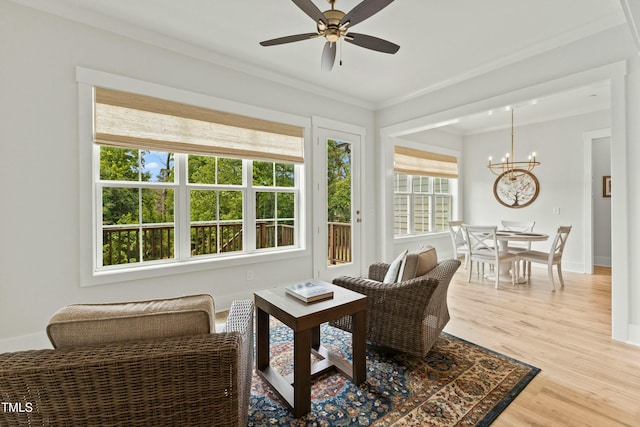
x,y
334,25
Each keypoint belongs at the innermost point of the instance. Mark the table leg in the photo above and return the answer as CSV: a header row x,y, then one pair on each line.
x,y
262,339
301,372
315,337
359,338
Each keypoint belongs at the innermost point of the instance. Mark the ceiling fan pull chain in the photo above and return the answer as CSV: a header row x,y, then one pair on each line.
x,y
341,51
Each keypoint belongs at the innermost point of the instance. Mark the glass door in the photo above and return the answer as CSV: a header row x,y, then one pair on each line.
x,y
338,217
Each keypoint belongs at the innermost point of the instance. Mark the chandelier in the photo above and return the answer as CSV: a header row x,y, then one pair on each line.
x,y
508,165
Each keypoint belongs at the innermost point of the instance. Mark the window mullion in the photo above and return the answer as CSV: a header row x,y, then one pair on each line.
x,y
141,238
298,209
249,206
182,216
410,209
98,226
432,212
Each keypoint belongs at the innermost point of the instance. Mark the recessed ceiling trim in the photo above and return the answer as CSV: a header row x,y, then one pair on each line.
x,y
561,84
538,119
567,38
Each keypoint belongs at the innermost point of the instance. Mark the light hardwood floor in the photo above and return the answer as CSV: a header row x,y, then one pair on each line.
x,y
586,378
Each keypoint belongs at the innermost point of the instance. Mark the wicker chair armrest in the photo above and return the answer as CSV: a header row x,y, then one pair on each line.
x,y
240,320
360,285
405,299
240,317
187,380
378,270
444,271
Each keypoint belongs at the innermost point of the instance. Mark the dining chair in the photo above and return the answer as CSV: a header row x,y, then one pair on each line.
x,y
520,227
459,242
482,244
551,258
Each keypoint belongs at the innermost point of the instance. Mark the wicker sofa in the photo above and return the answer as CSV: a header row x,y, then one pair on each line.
x,y
407,315
167,380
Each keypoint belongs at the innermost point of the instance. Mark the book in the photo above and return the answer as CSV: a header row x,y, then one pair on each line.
x,y
310,291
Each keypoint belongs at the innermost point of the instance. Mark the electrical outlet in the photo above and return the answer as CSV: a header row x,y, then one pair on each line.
x,y
556,211
249,274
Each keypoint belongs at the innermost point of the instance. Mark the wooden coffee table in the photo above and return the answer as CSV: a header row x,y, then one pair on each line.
x,y
305,320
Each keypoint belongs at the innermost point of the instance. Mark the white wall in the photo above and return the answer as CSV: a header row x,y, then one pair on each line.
x,y
39,255
601,164
560,148
630,194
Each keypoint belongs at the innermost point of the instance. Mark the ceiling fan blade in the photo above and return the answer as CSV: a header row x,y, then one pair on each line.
x,y
289,39
370,42
364,10
328,56
311,9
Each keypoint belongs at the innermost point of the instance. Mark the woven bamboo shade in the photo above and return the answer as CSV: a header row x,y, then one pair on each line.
x,y
417,162
130,120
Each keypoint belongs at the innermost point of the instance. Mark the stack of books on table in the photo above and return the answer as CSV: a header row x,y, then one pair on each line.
x,y
310,291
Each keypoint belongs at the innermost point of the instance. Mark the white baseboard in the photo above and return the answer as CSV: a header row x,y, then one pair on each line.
x,y
602,261
35,341
634,334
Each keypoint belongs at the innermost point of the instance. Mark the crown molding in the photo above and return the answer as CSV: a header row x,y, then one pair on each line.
x,y
116,26
632,12
521,55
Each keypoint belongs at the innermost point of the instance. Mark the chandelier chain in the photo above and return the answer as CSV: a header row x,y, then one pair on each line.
x,y
509,164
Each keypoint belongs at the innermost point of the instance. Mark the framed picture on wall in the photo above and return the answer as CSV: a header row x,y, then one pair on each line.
x,y
606,186
516,189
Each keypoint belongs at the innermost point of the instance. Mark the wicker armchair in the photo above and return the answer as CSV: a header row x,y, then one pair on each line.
x,y
201,380
406,316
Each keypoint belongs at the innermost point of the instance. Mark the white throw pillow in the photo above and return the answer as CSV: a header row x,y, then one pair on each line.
x,y
395,267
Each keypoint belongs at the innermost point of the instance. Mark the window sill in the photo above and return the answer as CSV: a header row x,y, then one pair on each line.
x,y
417,237
106,277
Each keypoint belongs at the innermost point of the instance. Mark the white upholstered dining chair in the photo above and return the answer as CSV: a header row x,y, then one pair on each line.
x,y
482,244
551,258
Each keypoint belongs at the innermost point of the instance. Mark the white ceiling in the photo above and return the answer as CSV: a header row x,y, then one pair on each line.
x,y
441,41
580,100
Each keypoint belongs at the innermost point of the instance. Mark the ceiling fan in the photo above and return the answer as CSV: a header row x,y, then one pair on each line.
x,y
334,24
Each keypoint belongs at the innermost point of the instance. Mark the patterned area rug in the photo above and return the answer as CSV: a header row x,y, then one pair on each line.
x,y
457,384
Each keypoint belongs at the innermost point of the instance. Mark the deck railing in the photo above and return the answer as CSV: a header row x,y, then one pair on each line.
x,y
121,243
339,239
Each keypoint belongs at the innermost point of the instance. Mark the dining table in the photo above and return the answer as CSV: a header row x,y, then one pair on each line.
x,y
506,236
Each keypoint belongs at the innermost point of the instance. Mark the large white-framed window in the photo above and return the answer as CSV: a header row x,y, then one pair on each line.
x,y
141,197
181,186
422,199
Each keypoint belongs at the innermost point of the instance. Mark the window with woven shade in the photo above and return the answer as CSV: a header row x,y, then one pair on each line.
x,y
176,182
423,199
